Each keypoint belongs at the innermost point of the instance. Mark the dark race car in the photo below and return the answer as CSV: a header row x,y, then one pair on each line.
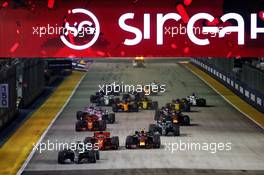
x,y
143,139
104,141
176,116
80,155
166,126
95,98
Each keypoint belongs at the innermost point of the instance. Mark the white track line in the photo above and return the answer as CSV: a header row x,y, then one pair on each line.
x,y
20,171
224,97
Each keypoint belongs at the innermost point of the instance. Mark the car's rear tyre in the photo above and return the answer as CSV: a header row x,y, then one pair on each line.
x,y
111,118
97,154
185,120
61,157
79,115
110,102
157,115
176,130
201,102
115,142
156,140
78,126
102,125
154,105
129,142
92,157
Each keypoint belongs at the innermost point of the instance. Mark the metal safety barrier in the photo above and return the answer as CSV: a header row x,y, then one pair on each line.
x,y
242,89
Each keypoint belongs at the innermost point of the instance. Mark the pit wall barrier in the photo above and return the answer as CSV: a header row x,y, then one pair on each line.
x,y
8,76
250,95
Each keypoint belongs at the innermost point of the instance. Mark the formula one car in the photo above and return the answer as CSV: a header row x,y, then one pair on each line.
x,y
125,106
179,105
95,98
104,141
102,114
139,62
79,155
143,139
196,101
103,100
176,116
166,126
142,101
146,103
90,123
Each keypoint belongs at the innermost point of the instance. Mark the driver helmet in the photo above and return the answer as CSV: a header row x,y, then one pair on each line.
x,y
142,131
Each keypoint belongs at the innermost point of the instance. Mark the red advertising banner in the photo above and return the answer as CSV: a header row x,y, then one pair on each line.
x,y
128,28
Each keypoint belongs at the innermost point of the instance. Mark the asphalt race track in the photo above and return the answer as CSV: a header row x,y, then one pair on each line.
x,y
218,123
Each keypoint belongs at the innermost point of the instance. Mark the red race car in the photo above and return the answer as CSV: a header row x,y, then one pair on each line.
x,y
103,141
90,123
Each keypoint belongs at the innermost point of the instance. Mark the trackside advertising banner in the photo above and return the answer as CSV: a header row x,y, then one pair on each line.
x,y
4,95
124,28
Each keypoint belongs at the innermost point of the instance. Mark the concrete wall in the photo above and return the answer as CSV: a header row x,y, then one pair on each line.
x,y
8,76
